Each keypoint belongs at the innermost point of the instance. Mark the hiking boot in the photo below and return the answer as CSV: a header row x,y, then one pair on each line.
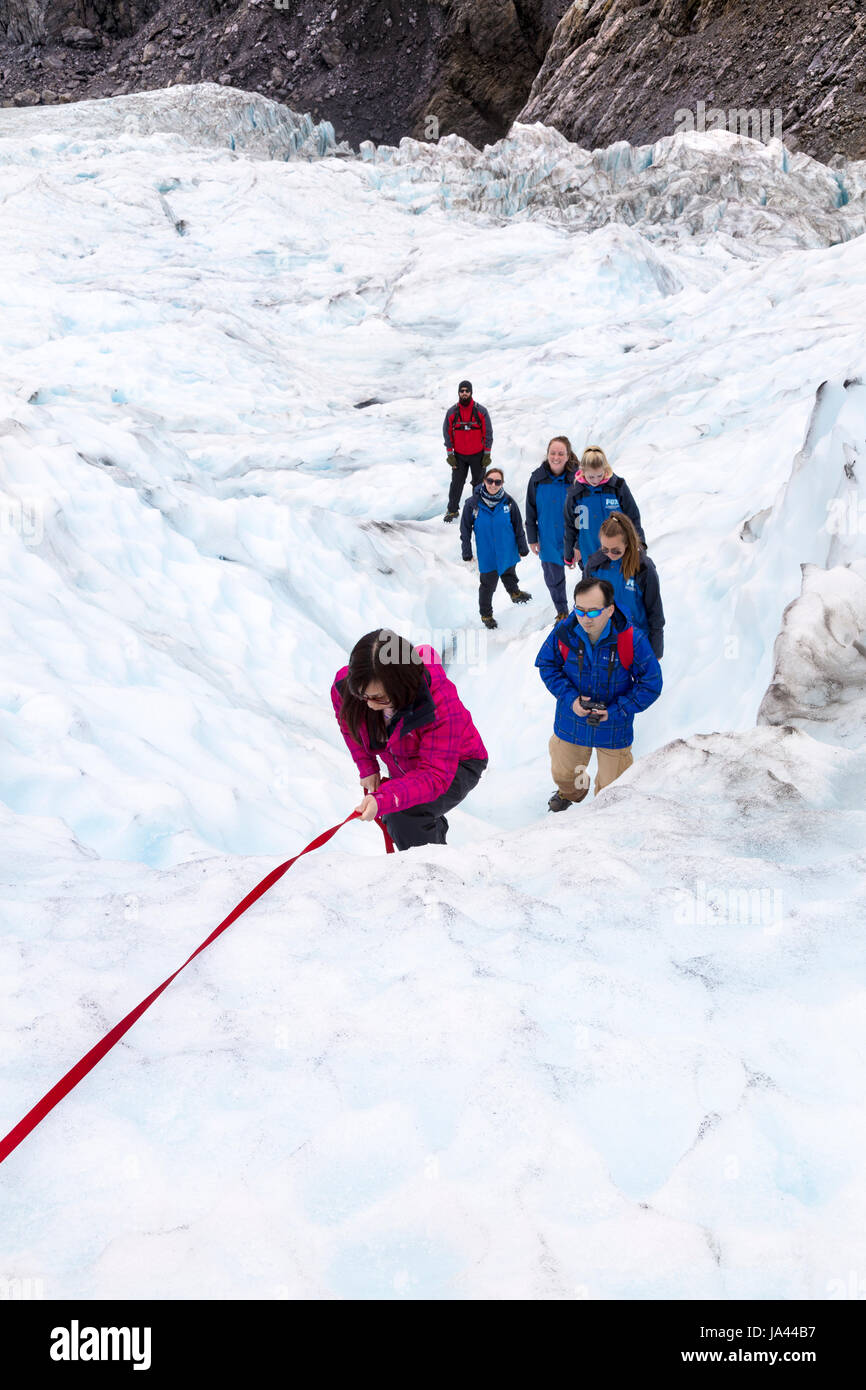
x,y
520,596
561,617
558,803
450,516
488,620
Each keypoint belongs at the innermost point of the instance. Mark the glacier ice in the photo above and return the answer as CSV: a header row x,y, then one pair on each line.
x,y
500,1068
752,198
203,115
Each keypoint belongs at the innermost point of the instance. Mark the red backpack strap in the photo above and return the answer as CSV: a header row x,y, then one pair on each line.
x,y
625,647
563,649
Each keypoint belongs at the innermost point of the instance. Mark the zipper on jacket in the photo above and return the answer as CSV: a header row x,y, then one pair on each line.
x,y
403,770
580,654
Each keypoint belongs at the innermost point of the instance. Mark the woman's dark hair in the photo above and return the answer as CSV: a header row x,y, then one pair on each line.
x,y
393,661
584,585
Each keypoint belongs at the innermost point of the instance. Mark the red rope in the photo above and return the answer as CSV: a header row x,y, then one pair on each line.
x,y
90,1059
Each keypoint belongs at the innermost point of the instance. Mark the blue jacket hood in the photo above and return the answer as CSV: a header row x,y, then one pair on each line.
x,y
543,471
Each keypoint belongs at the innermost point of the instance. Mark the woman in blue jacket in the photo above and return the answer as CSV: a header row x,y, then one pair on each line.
x,y
499,540
545,516
595,494
624,563
603,672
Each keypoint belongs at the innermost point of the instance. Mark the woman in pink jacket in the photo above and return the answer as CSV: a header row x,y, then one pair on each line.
x,y
394,701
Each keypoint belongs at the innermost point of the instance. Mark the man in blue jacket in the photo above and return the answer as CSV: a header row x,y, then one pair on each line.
x,y
603,672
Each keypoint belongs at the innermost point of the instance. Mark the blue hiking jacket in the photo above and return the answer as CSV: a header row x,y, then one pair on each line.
x,y
499,536
587,507
545,512
571,666
639,598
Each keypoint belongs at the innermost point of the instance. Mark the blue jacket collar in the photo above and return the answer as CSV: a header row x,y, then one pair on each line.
x,y
544,471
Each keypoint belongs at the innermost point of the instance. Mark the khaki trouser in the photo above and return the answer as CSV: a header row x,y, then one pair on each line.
x,y
568,763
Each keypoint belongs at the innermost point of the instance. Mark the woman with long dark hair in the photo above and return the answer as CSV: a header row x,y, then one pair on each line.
x,y
394,701
624,563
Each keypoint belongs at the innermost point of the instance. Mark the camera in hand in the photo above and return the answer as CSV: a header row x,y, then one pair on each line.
x,y
594,706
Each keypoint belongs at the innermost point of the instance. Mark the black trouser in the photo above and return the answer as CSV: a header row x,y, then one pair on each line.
x,y
458,477
489,580
426,825
554,578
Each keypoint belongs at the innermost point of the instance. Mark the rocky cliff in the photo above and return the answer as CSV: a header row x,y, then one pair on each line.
x,y
377,69
620,70
597,70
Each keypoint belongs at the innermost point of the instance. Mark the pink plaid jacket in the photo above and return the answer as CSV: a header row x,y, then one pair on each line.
x,y
422,761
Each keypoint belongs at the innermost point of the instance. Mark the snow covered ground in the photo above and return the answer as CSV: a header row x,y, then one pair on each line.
x,y
615,1053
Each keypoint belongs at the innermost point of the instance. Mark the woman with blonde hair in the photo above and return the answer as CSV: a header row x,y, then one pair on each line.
x,y
545,516
595,494
624,563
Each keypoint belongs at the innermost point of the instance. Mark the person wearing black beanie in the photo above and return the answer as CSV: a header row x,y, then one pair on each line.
x,y
468,436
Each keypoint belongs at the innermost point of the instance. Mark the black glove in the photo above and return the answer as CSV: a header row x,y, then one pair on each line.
x,y
485,459
452,458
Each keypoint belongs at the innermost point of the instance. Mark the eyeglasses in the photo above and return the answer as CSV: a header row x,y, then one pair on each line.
x,y
495,481
588,612
612,554
369,699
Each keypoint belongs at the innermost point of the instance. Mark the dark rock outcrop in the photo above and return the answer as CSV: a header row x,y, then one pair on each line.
x,y
597,70
377,69
621,70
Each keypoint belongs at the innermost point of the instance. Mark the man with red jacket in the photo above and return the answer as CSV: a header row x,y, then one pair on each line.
x,y
468,437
